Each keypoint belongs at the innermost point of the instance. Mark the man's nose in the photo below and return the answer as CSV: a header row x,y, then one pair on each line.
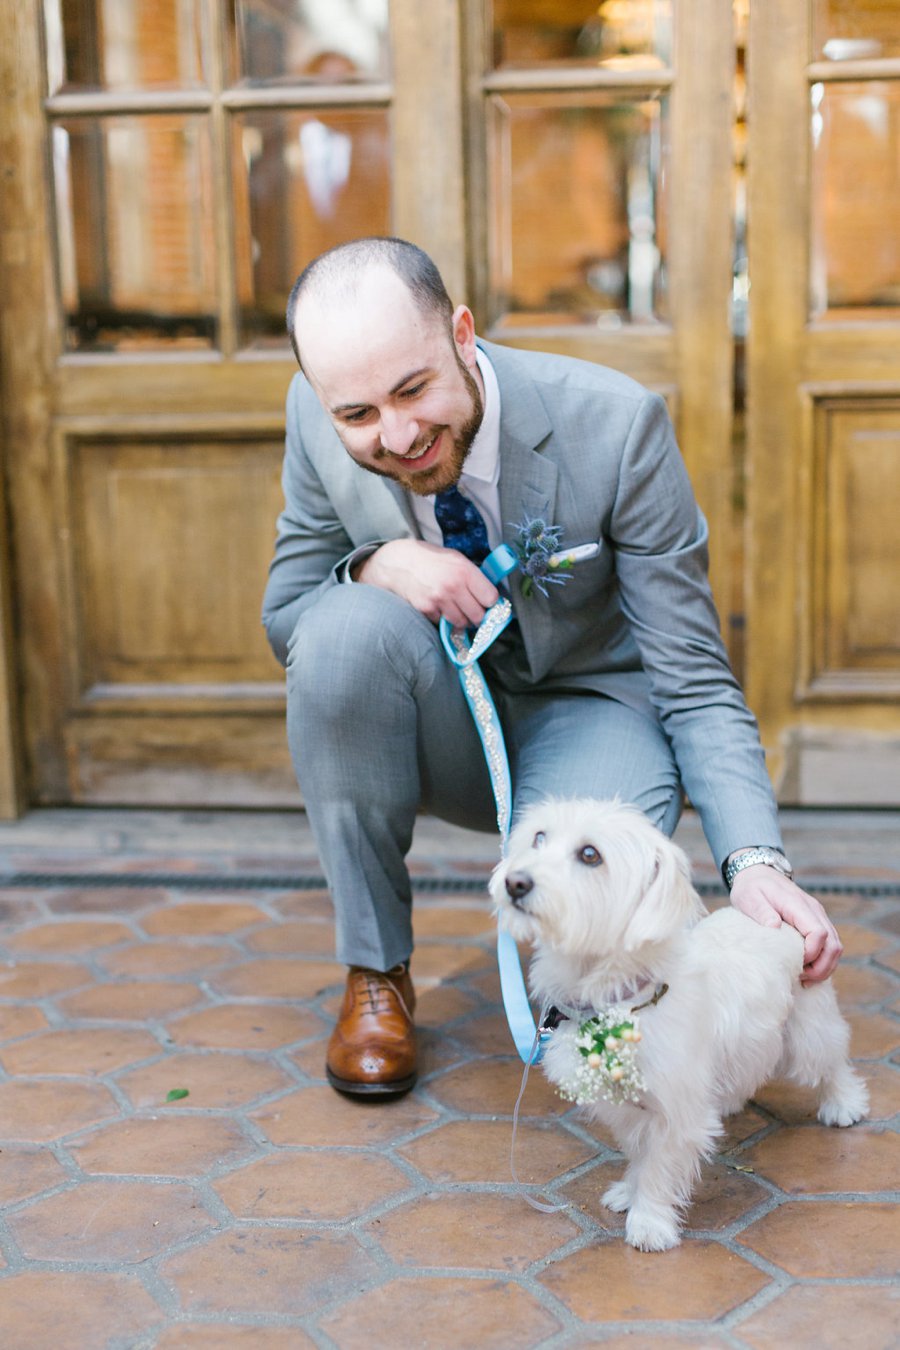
x,y
398,432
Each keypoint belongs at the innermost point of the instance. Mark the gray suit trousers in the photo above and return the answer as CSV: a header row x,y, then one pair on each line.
x,y
379,729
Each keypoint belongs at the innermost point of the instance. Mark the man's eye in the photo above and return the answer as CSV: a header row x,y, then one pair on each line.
x,y
356,416
414,391
539,840
590,856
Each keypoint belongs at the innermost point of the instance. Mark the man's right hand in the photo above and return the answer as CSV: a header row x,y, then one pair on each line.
x,y
440,583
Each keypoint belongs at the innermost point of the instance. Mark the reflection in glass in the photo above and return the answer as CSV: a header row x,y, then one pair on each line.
x,y
330,41
577,210
124,44
855,30
136,248
855,197
304,181
612,33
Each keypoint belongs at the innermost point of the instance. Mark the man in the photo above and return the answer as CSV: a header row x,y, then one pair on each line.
x,y
615,682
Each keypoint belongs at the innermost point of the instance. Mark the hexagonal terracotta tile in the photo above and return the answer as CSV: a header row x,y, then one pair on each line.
x,y
872,1035
41,979
819,1317
270,977
86,936
91,1051
241,1026
818,1159
201,919
226,1336
182,957
614,1283
311,1185
310,937
441,1003
38,1110
490,1088
214,1079
860,941
435,962
175,1145
478,1150
121,1222
304,904
827,1239
27,1171
455,919
884,1091
863,986
720,1198
319,1115
267,1270
72,1311
132,1001
470,1231
498,1315
20,1020
104,899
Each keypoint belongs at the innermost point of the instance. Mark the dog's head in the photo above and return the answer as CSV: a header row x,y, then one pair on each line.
x,y
592,878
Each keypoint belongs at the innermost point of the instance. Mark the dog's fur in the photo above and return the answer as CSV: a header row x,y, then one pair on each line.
x,y
734,1014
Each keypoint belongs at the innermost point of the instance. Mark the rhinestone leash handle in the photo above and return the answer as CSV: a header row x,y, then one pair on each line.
x,y
464,651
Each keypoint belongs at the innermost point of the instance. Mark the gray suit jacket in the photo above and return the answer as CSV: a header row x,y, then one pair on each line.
x,y
592,451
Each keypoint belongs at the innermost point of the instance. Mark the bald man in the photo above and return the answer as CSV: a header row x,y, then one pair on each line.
x,y
616,682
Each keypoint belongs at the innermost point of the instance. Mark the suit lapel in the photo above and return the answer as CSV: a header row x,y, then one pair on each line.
x,y
528,479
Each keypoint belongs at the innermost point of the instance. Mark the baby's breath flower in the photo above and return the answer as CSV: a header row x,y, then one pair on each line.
x,y
607,1048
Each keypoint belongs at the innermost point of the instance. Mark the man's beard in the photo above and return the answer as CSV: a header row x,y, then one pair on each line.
x,y
445,473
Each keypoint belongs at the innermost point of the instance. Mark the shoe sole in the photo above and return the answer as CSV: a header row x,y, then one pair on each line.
x,y
396,1088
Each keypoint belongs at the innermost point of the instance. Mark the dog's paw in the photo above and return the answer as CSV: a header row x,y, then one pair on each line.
x,y
842,1113
618,1197
651,1232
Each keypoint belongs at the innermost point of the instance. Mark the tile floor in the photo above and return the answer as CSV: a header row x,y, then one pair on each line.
x,y
261,1211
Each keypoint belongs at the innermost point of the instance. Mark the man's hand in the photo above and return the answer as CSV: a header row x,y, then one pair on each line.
x,y
438,582
770,898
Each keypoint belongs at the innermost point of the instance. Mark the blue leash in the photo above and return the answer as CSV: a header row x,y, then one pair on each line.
x,y
464,652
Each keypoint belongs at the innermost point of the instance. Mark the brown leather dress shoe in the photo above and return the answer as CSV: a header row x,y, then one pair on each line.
x,y
373,1046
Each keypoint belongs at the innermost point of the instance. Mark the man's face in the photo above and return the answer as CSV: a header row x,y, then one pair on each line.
x,y
404,395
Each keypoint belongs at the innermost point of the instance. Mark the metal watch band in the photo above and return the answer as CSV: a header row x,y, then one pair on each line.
x,y
770,857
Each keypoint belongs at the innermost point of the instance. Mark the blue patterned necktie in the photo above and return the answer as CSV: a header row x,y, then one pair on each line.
x,y
462,524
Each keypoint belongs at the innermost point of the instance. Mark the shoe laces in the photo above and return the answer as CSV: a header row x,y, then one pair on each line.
x,y
377,991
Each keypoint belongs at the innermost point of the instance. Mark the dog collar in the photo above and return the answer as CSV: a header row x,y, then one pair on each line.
x,y
566,1012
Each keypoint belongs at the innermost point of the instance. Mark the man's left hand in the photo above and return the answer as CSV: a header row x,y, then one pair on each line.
x,y
770,898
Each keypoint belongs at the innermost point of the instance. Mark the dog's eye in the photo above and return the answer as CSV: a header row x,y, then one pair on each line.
x,y
590,856
539,840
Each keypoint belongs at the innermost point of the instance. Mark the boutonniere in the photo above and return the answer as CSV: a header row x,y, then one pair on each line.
x,y
537,546
607,1067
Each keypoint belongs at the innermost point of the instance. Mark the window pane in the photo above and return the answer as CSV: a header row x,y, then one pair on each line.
x,y
617,33
848,30
327,40
124,44
577,213
303,182
855,197
135,232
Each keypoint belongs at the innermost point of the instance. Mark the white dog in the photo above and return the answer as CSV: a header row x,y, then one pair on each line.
x,y
692,1017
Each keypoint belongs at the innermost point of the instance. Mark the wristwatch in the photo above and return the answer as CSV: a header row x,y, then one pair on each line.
x,y
749,857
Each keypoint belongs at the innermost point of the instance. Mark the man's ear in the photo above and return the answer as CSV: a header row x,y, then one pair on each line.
x,y
463,328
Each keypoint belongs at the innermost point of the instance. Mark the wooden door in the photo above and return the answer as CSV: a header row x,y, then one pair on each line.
x,y
169,166
823,647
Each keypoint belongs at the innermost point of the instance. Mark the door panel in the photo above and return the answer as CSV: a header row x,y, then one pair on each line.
x,y
824,398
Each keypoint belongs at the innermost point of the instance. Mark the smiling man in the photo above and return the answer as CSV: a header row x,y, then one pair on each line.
x,y
412,448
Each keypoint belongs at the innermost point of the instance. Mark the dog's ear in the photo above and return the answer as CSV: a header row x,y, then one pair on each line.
x,y
669,901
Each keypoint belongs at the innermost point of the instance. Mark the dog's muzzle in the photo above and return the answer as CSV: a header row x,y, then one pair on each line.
x,y
518,885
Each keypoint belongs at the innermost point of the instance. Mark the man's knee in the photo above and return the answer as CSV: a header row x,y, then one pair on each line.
x,y
352,640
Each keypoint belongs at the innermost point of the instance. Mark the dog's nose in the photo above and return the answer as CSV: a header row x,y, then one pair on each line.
x,y
518,884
